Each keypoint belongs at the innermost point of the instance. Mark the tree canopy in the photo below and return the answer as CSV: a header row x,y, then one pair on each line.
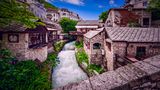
x,y
154,7
103,16
12,11
68,24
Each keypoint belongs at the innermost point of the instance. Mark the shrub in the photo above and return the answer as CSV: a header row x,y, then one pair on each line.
x,y
79,44
59,46
25,75
82,57
93,67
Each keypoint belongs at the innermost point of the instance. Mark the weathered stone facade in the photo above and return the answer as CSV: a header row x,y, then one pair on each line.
x,y
142,75
95,54
21,49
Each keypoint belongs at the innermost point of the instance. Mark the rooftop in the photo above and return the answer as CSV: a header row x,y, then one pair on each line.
x,y
133,34
91,34
88,23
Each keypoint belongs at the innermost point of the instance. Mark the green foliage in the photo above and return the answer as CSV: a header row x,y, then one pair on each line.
x,y
59,45
12,11
68,24
154,7
79,44
103,16
93,67
24,75
81,56
52,59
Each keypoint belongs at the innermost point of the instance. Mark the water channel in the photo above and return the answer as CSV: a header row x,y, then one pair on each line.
x,y
67,71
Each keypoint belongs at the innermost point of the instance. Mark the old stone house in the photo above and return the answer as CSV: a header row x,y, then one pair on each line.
x,y
93,45
125,17
133,13
113,47
131,44
53,15
25,43
85,26
54,34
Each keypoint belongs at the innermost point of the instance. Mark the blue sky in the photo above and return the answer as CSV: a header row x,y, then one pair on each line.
x,y
87,9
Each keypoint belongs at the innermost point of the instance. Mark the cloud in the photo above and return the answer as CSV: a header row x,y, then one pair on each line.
x,y
112,3
75,2
100,6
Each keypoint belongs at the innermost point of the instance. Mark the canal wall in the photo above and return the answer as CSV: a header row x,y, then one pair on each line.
x,y
142,75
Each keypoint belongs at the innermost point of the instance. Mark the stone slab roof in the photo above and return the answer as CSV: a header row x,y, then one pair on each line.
x,y
93,33
15,27
88,23
133,34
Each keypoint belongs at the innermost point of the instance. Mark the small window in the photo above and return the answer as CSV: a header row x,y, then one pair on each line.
x,y
145,4
96,46
13,38
145,21
108,45
1,37
141,52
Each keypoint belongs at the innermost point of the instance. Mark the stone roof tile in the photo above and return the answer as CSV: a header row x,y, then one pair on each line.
x,y
134,34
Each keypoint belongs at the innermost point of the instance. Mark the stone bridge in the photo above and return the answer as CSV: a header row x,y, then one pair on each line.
x,y
142,75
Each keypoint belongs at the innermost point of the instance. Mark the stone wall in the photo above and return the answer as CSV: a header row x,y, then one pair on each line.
x,y
142,75
150,50
20,49
95,55
38,53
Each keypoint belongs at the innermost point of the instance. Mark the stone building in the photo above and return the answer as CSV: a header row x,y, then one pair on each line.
x,y
125,17
68,14
25,43
54,34
53,15
85,26
138,3
93,45
133,13
131,44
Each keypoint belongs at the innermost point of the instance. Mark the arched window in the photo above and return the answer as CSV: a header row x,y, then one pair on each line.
x,y
96,46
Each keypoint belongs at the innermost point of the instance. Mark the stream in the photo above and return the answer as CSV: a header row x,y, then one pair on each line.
x,y
67,71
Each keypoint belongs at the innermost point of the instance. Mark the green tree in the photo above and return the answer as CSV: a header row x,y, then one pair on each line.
x,y
68,24
154,7
12,11
103,16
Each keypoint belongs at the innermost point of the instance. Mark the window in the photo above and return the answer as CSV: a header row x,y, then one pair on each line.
x,y
141,52
36,39
96,46
108,45
13,38
145,21
1,37
145,4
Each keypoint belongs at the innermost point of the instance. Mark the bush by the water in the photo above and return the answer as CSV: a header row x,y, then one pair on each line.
x,y
59,45
23,75
79,44
82,56
97,68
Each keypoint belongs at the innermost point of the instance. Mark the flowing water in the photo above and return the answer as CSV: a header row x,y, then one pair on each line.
x,y
67,70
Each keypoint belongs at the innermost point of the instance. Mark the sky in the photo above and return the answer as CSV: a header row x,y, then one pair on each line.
x,y
87,9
